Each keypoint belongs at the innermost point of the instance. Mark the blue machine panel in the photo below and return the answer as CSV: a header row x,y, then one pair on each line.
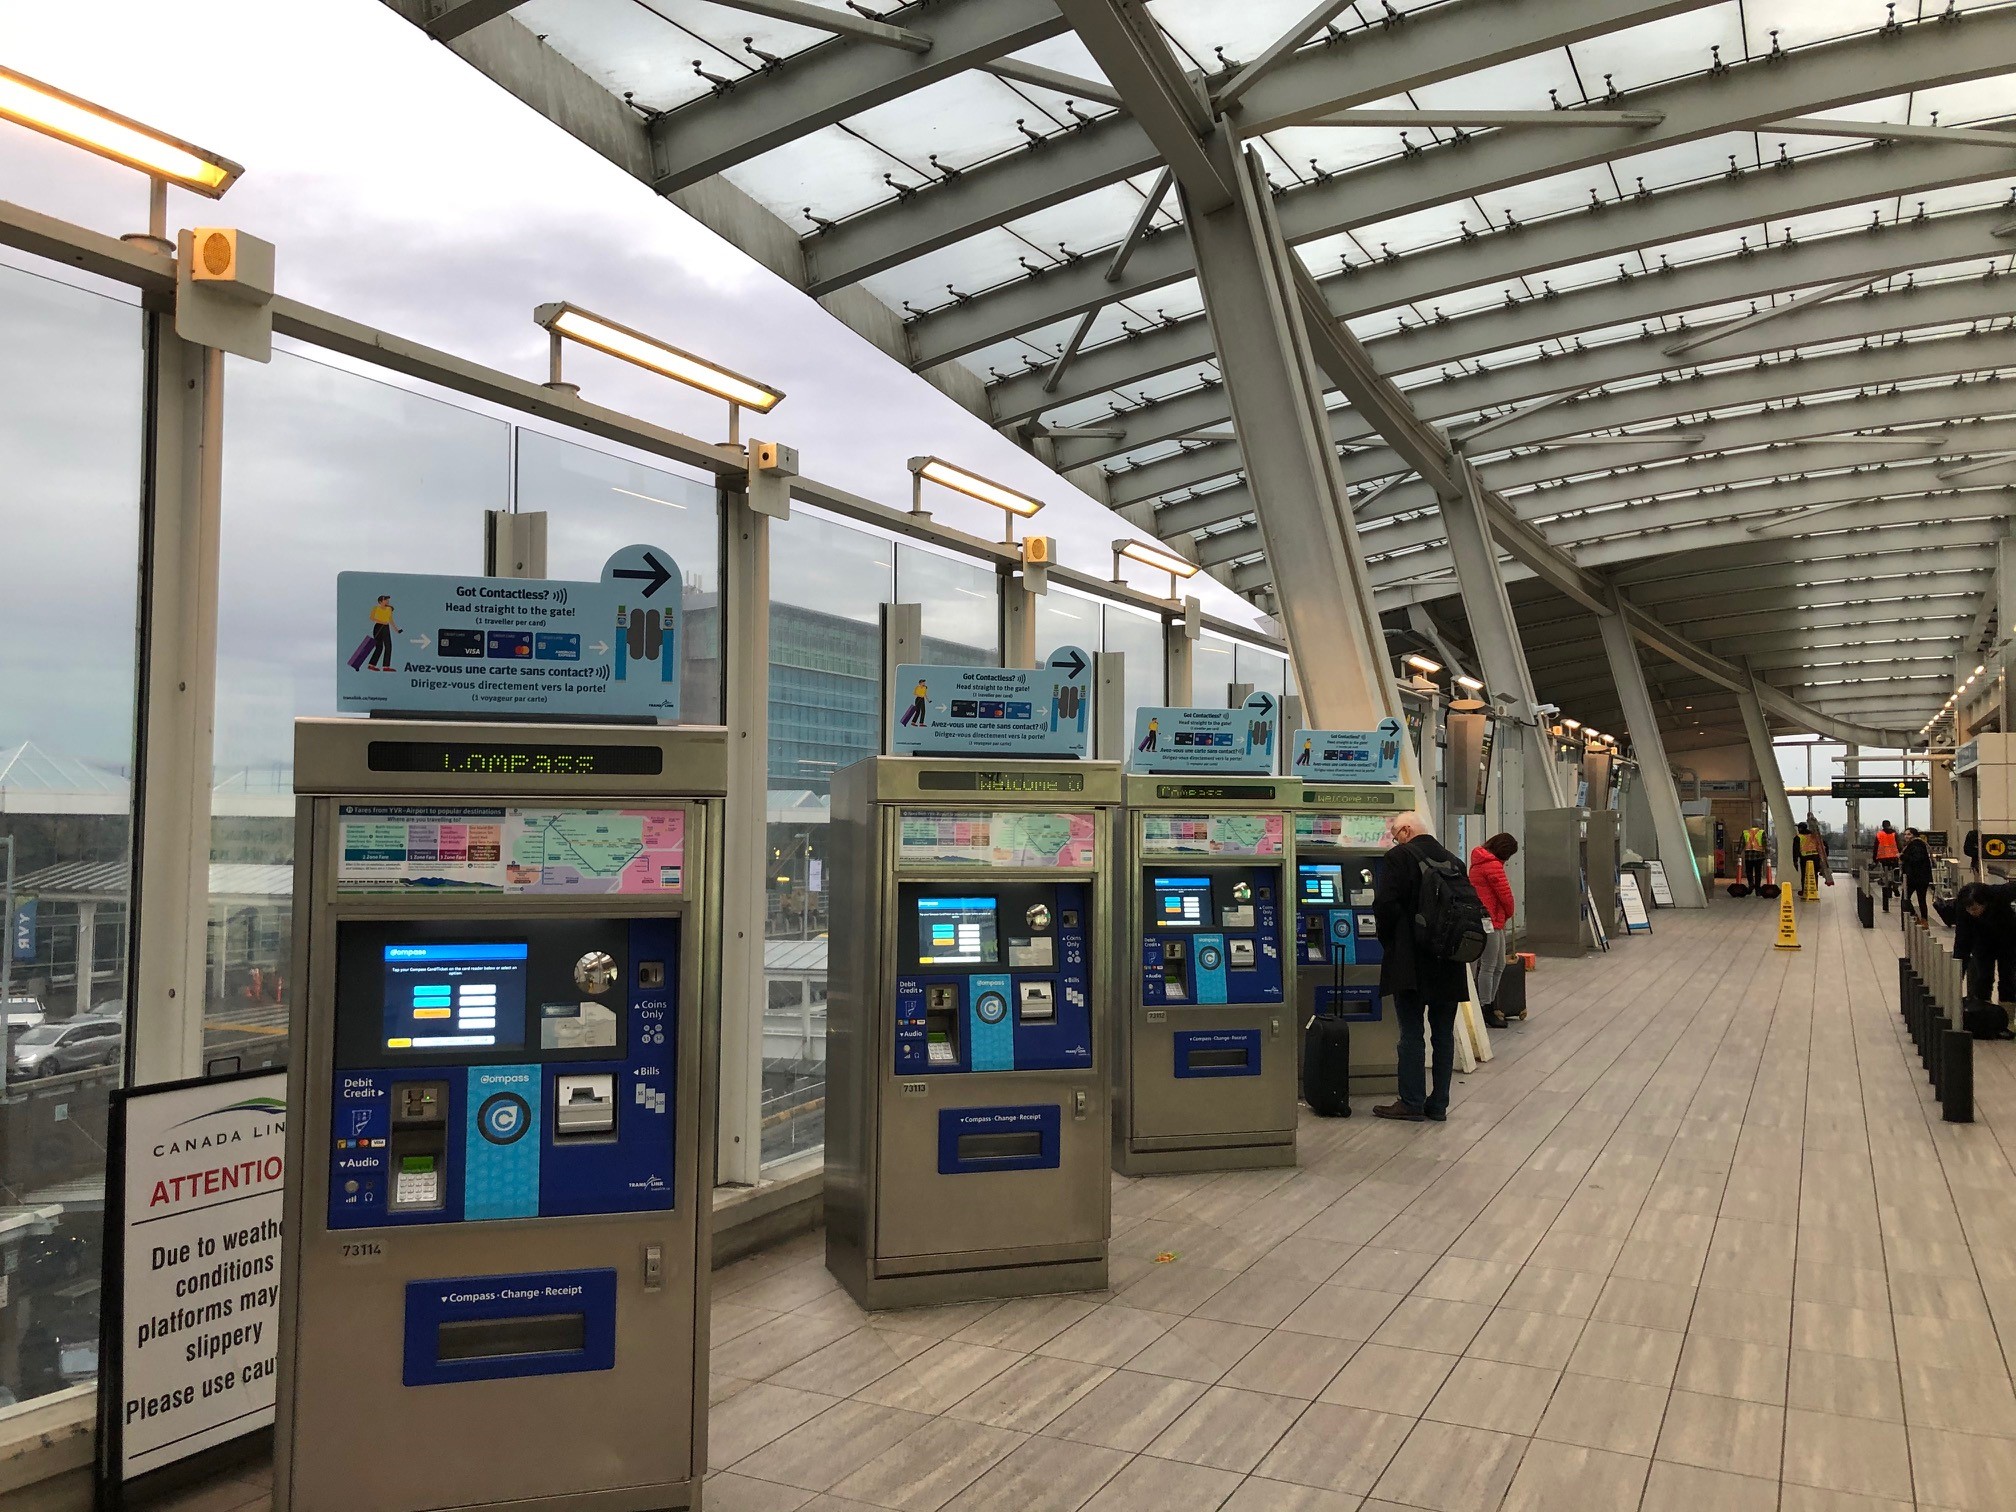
x,y
1211,938
486,1328
971,1140
1354,1002
1217,1052
994,980
501,1135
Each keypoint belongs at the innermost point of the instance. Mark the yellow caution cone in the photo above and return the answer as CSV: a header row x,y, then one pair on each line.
x,y
1788,930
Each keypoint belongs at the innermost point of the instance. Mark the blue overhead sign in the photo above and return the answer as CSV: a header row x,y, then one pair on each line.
x,y
1207,740
21,929
418,643
994,711
1347,755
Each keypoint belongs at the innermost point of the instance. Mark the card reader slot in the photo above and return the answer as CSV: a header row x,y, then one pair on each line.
x,y
496,1338
1000,1146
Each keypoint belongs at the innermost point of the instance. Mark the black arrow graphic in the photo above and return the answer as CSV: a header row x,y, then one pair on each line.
x,y
656,574
1266,704
1076,664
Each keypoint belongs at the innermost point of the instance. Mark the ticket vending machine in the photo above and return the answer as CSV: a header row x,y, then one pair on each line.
x,y
500,1130
966,1026
1339,833
1206,1076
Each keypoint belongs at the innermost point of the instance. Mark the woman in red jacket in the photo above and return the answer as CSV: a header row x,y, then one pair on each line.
x,y
1487,875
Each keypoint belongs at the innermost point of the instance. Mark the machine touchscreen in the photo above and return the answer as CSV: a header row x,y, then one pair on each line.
x,y
455,995
1321,886
958,931
1183,903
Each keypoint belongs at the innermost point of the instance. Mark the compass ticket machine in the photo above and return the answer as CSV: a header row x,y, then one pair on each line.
x,y
500,1117
966,1064
1340,847
1206,1078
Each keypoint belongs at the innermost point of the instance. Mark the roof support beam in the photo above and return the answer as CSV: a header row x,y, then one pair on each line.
x,y
1762,317
1169,105
1485,120
1277,52
1887,131
835,80
1813,78
1325,601
1069,85
464,16
1648,743
845,23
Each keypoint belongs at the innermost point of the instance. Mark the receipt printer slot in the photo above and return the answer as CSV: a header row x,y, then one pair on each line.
x,y
501,1338
1000,1146
584,1107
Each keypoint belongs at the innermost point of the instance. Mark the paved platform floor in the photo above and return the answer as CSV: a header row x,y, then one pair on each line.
x,y
1694,1239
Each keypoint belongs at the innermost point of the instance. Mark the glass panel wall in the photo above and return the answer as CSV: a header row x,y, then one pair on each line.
x,y
827,586
961,603
1138,638
596,504
1064,618
1212,672
325,471
1266,670
71,404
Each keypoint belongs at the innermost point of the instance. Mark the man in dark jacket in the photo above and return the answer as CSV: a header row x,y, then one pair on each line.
x,y
1421,986
1914,860
1984,936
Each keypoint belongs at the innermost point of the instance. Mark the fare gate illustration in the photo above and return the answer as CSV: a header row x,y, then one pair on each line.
x,y
1339,835
1205,1078
501,1121
966,1146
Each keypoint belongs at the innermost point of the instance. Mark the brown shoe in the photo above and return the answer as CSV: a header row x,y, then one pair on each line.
x,y
1400,1111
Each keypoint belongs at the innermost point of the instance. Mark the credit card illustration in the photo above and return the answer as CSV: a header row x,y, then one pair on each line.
x,y
459,642
553,646
510,645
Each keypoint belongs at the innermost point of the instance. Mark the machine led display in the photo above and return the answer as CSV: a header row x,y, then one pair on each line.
x,y
455,995
958,931
1183,903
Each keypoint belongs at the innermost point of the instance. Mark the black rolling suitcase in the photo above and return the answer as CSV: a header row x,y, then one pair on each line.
x,y
1512,990
1326,1066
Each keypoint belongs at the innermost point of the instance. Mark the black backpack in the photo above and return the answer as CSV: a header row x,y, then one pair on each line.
x,y
1985,1021
1448,916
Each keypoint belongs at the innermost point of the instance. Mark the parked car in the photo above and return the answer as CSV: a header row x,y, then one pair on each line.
x,y
51,1048
20,1015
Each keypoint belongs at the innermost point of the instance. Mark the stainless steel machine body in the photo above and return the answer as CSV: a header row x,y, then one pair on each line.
x,y
967,1028
501,1117
1340,848
1205,1077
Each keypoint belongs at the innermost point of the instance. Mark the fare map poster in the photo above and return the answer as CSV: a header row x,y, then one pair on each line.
x,y
194,1286
1028,839
1237,740
995,711
1347,755
1212,834
404,848
420,643
1358,831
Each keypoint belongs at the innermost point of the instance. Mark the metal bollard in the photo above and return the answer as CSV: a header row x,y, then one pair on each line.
x,y
1937,1044
1956,1093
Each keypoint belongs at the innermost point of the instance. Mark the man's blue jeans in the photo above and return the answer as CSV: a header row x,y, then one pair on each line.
x,y
1441,1026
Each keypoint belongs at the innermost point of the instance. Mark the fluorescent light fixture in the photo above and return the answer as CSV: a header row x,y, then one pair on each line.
x,y
53,112
1464,680
1980,669
1421,663
945,475
1156,557
604,335
1571,724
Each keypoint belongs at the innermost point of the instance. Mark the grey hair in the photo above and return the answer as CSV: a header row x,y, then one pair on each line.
x,y
1413,817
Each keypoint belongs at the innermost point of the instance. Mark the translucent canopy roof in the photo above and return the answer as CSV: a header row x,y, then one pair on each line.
x,y
1721,277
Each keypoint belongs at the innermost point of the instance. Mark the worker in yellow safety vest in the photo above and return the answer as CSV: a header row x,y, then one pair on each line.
x,y
1753,856
1812,855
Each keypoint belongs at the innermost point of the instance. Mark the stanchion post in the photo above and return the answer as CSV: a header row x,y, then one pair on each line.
x,y
1956,1097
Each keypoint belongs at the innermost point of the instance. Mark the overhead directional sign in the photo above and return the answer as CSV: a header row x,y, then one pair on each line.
x,y
21,930
1882,787
418,643
1207,740
1347,755
994,711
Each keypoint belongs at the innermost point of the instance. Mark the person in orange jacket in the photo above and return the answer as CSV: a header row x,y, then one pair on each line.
x,y
1494,891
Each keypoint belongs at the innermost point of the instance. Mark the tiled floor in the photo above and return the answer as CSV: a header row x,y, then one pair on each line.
x,y
1695,1239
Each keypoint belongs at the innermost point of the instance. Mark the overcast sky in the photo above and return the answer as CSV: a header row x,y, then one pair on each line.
x,y
406,190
